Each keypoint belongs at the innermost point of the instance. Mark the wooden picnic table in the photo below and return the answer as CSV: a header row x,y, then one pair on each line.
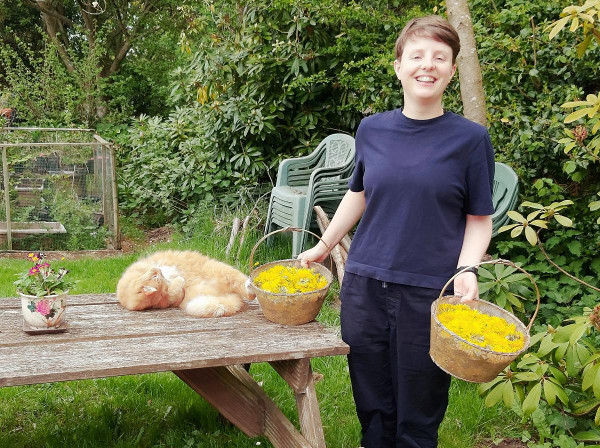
x,y
104,339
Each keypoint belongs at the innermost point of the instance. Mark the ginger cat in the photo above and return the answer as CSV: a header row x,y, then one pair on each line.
x,y
198,284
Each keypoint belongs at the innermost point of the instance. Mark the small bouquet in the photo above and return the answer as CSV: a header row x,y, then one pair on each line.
x,y
42,280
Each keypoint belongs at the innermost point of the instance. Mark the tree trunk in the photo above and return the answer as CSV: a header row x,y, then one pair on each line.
x,y
469,71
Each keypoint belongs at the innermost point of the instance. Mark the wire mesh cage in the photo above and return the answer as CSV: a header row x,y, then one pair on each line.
x,y
59,190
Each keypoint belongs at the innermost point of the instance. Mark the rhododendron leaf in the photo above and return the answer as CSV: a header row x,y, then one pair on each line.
x,y
508,227
587,436
494,396
508,394
574,104
533,204
574,116
596,384
516,231
550,392
539,223
531,236
563,220
532,400
589,375
558,374
558,26
482,388
515,216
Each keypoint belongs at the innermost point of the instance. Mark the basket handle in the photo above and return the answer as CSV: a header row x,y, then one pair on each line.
x,y
507,263
285,229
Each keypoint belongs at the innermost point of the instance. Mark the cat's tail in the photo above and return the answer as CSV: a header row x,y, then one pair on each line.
x,y
214,306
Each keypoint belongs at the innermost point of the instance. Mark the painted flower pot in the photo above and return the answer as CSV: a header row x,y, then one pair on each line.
x,y
44,313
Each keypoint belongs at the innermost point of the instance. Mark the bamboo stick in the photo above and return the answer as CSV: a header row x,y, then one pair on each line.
x,y
235,228
6,199
345,242
242,236
335,252
115,200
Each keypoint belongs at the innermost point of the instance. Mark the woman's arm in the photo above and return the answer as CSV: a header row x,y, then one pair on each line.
x,y
348,213
478,233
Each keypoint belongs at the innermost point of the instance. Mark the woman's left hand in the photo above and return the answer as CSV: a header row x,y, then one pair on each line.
x,y
465,286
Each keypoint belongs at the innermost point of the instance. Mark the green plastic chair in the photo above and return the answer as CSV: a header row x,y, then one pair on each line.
x,y
320,178
504,196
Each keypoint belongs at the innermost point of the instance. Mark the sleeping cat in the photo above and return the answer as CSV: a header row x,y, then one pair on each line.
x,y
198,284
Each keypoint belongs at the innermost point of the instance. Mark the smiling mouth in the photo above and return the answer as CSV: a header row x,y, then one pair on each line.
x,y
425,79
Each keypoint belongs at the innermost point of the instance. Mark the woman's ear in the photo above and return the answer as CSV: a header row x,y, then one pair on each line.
x,y
397,67
453,71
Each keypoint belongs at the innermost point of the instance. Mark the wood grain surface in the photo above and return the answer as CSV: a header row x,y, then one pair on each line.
x,y
104,339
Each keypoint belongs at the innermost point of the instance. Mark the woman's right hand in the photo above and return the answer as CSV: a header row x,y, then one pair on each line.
x,y
317,254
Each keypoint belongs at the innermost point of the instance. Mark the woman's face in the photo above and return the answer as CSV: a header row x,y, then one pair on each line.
x,y
425,69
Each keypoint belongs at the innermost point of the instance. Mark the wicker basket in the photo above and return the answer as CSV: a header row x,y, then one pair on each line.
x,y
463,359
289,309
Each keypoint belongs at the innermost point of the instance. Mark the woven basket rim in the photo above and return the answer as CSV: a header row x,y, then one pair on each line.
x,y
328,276
484,349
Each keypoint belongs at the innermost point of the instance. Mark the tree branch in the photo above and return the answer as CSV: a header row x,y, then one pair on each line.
x,y
50,12
116,63
541,246
62,52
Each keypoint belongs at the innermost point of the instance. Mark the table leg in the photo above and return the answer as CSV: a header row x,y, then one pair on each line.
x,y
298,374
235,394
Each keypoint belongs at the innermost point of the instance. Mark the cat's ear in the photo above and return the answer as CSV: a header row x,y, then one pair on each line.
x,y
153,273
149,290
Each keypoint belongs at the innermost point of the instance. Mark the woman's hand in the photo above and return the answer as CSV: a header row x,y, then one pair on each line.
x,y
316,254
465,286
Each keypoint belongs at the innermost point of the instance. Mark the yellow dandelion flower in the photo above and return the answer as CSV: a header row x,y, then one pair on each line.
x,y
290,280
481,329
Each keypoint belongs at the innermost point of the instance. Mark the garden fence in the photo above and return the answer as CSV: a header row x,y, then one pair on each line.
x,y
58,190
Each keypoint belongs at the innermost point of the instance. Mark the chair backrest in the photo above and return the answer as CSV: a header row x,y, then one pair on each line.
x,y
339,150
506,184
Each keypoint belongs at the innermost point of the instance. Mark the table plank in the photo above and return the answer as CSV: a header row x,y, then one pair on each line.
x,y
104,339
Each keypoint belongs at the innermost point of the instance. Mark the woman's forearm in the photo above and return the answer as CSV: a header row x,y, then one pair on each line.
x,y
348,213
478,233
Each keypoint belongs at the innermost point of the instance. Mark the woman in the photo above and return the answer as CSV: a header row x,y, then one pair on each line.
x,y
423,187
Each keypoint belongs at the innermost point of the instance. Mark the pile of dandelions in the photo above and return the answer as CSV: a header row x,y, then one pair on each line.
x,y
289,280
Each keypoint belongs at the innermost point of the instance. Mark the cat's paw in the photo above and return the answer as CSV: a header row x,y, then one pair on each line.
x,y
176,291
249,290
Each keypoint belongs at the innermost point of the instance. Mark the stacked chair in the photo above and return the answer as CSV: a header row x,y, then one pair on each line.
x,y
320,178
504,196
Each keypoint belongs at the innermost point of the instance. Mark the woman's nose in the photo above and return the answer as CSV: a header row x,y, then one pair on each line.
x,y
426,64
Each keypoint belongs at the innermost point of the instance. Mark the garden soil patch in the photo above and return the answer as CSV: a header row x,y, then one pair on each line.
x,y
153,236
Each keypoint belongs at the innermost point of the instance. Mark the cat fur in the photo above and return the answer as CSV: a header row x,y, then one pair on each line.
x,y
196,283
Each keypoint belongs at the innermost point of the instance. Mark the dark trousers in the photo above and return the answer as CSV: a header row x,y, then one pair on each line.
x,y
400,394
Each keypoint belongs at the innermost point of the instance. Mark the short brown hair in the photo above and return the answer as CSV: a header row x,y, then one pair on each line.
x,y
434,27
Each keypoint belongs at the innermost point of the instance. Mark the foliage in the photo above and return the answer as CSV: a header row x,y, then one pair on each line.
x,y
269,82
556,385
40,88
42,280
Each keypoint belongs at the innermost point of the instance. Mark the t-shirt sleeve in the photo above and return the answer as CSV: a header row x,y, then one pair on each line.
x,y
356,181
480,179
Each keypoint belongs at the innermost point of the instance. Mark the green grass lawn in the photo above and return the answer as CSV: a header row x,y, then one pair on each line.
x,y
159,410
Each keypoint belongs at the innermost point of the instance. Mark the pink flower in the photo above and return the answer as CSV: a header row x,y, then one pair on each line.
x,y
43,307
34,270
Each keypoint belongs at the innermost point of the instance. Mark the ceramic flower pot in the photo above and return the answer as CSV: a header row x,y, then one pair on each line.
x,y
47,313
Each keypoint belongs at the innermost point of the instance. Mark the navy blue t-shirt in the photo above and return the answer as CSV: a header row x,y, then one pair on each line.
x,y
420,179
